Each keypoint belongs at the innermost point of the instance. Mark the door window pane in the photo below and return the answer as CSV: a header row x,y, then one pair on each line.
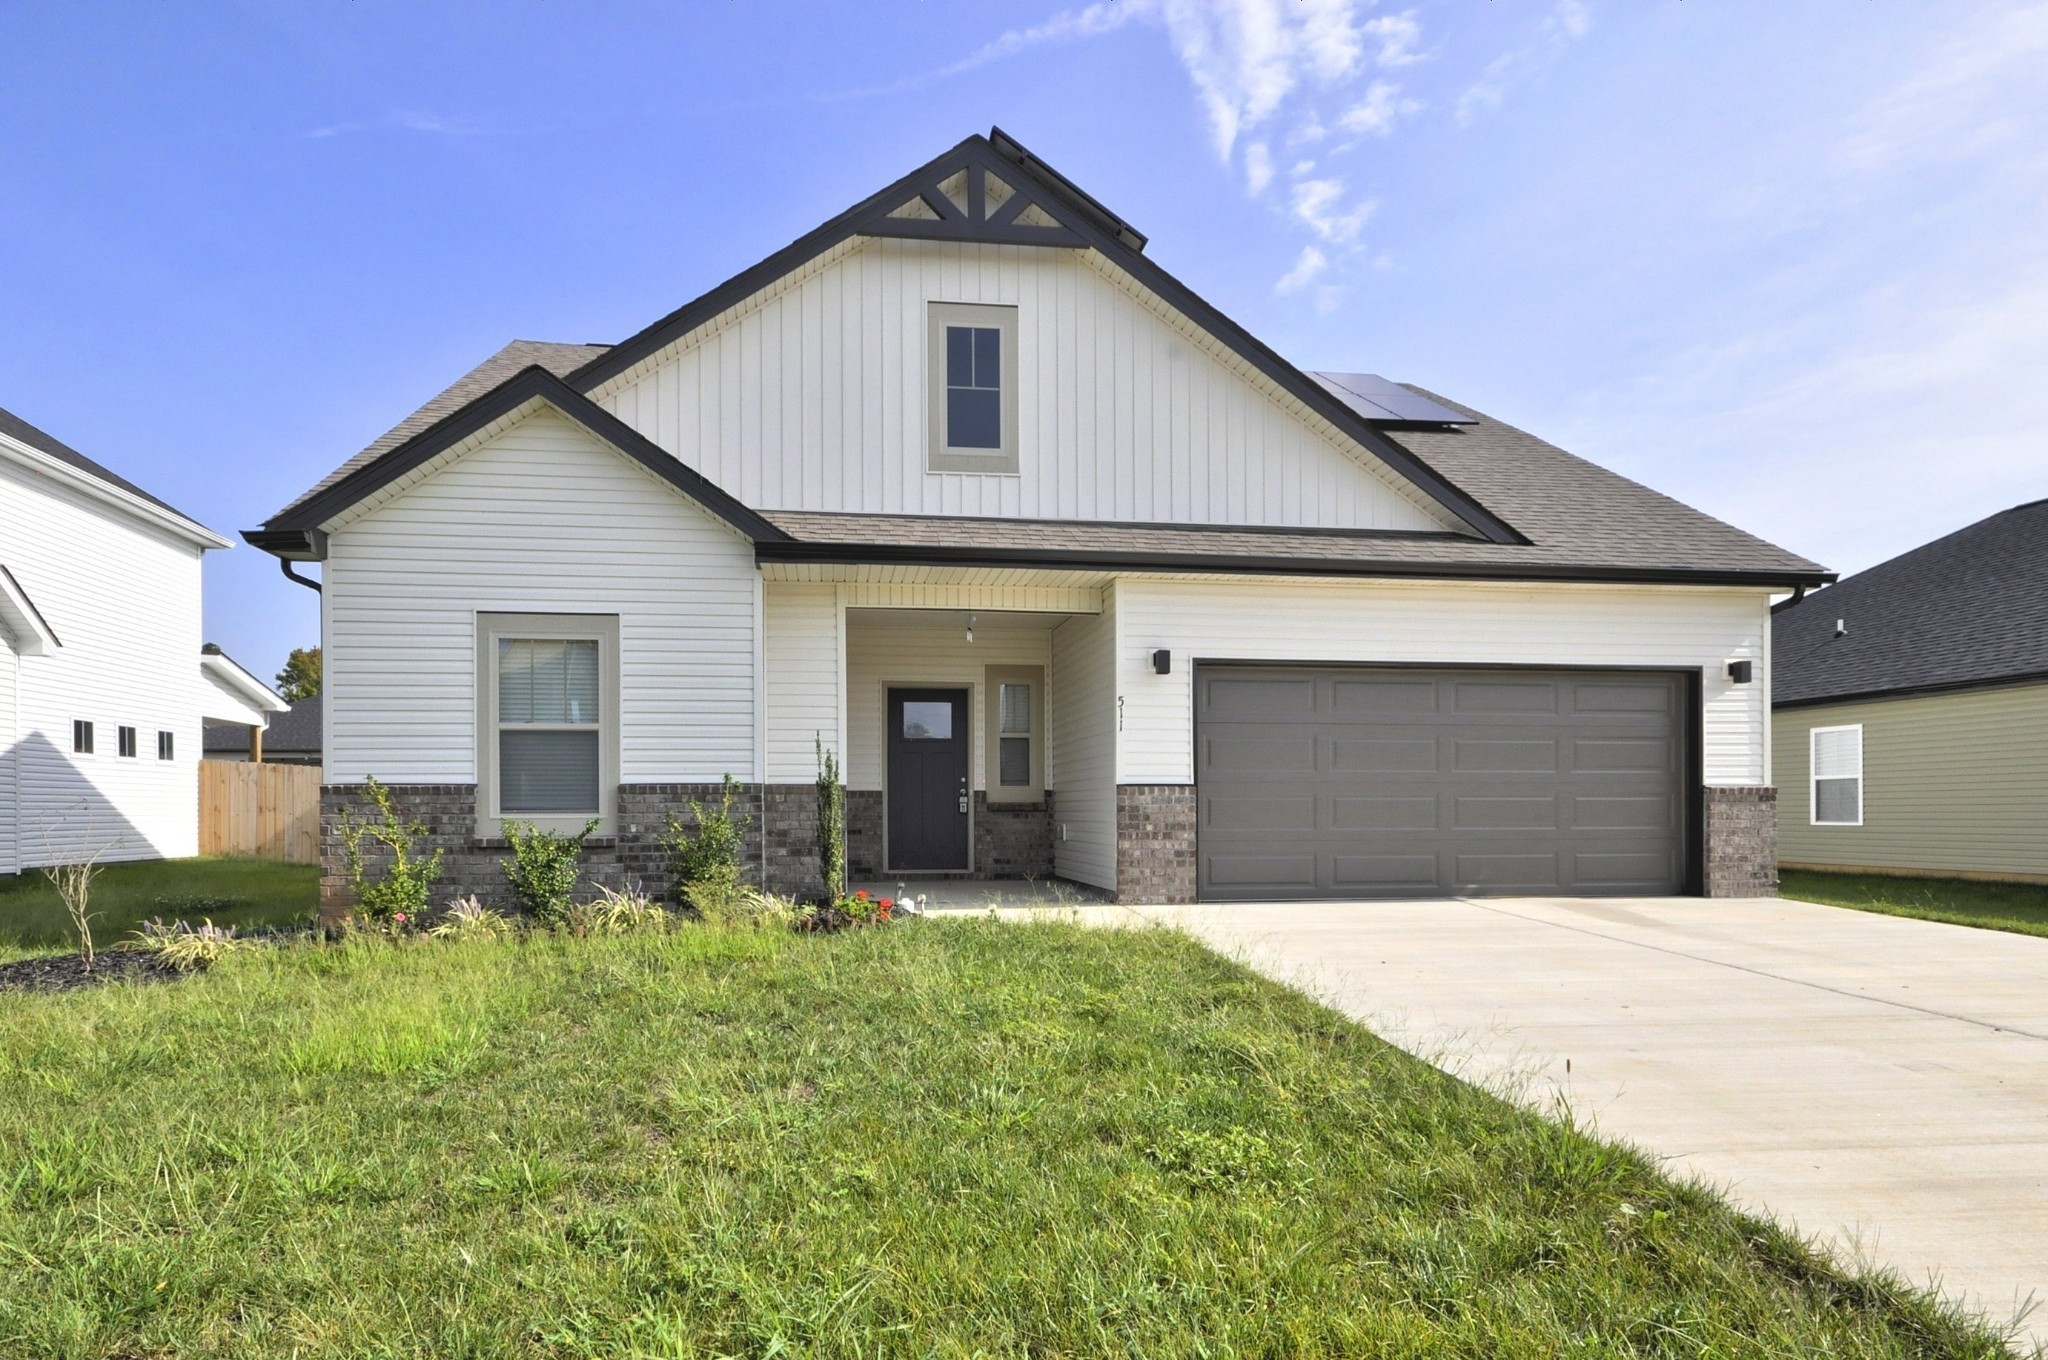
x,y
927,721
547,771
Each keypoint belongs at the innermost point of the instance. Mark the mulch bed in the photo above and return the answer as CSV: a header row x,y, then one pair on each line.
x,y
67,972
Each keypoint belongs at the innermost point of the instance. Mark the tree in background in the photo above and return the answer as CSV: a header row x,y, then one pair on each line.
x,y
300,678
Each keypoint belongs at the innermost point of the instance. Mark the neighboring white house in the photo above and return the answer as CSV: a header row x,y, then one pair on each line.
x,y
1074,574
103,686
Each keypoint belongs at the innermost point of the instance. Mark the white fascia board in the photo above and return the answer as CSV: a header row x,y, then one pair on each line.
x,y
223,671
66,475
33,635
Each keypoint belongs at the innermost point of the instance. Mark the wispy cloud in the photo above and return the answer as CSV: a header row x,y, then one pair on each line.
x,y
1306,269
1564,25
403,120
1381,108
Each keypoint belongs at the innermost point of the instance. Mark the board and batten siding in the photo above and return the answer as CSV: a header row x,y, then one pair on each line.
x,y
812,395
543,518
1952,784
1082,771
123,598
1437,624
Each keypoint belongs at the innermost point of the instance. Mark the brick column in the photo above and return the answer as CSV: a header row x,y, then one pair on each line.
x,y
1741,851
1155,842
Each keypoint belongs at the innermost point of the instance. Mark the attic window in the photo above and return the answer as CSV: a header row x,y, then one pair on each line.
x,y
972,375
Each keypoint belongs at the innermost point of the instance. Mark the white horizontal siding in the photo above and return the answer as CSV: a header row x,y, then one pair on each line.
x,y
899,649
1082,771
10,849
123,598
800,648
874,574
1440,624
541,519
812,396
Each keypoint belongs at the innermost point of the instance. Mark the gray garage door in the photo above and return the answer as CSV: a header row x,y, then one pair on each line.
x,y
1386,782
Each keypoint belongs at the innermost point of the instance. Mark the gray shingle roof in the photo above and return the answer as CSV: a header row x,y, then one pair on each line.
x,y
1968,609
296,731
1578,517
15,427
557,358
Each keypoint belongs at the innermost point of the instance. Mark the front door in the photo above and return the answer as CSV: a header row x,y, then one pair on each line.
x,y
927,779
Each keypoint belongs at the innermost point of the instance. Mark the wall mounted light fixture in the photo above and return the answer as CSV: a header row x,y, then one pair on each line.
x,y
1162,662
1740,671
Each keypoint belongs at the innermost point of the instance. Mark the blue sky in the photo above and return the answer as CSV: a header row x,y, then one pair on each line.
x,y
1789,263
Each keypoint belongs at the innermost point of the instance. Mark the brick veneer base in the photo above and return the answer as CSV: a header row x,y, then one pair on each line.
x,y
1741,834
1155,843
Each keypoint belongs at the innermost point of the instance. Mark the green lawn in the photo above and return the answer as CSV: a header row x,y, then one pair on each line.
x,y
951,1138
239,892
2021,907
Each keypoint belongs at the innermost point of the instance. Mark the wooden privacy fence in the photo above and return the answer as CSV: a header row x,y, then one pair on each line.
x,y
270,811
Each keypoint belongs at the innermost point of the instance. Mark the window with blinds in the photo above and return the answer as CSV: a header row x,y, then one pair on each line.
x,y
1013,737
1837,755
549,714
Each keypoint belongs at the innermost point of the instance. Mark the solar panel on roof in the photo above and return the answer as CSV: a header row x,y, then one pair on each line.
x,y
1382,401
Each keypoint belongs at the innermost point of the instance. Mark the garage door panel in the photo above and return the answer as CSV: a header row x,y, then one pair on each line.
x,y
1370,698
1402,873
1383,813
1520,697
1281,753
1383,755
1386,782
1505,755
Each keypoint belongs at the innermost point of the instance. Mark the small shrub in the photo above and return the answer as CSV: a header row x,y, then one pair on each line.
x,y
846,912
722,900
831,823
186,947
710,846
401,892
630,912
543,870
469,919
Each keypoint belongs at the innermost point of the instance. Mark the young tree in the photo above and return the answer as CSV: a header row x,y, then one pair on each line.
x,y
300,678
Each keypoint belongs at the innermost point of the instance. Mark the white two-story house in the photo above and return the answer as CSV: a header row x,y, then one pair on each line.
x,y
1074,574
104,681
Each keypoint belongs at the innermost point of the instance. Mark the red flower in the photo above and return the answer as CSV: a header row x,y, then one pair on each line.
x,y
888,902
862,895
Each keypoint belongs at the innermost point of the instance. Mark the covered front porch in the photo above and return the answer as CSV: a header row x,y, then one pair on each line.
x,y
973,723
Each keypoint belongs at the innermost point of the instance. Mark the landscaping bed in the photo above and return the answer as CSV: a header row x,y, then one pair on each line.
x,y
2018,907
231,891
945,1137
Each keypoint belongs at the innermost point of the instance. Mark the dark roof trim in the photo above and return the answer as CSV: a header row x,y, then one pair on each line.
x,y
1098,228
1915,691
1072,559
290,530
28,602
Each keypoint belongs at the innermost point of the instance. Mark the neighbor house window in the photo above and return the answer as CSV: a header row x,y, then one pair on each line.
x,y
124,741
81,736
973,381
1016,770
166,746
1837,775
547,719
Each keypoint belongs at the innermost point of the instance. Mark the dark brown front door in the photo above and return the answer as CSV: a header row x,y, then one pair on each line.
x,y
927,779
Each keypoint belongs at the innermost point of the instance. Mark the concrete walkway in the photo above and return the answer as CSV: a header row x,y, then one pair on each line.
x,y
1879,1083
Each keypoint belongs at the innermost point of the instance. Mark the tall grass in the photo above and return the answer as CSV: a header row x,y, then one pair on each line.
x,y
231,891
951,1138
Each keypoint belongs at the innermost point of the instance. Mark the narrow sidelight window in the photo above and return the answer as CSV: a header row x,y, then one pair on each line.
x,y
973,381
1837,754
124,741
166,746
1013,762
81,736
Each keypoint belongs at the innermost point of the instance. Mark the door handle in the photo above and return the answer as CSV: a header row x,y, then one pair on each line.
x,y
963,802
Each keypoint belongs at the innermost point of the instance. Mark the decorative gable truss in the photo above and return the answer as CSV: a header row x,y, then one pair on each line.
x,y
974,202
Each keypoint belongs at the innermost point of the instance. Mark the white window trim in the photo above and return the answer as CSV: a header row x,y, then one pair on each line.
x,y
1813,735
940,456
992,723
602,629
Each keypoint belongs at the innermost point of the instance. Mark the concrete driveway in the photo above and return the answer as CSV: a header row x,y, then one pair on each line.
x,y
1878,1082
